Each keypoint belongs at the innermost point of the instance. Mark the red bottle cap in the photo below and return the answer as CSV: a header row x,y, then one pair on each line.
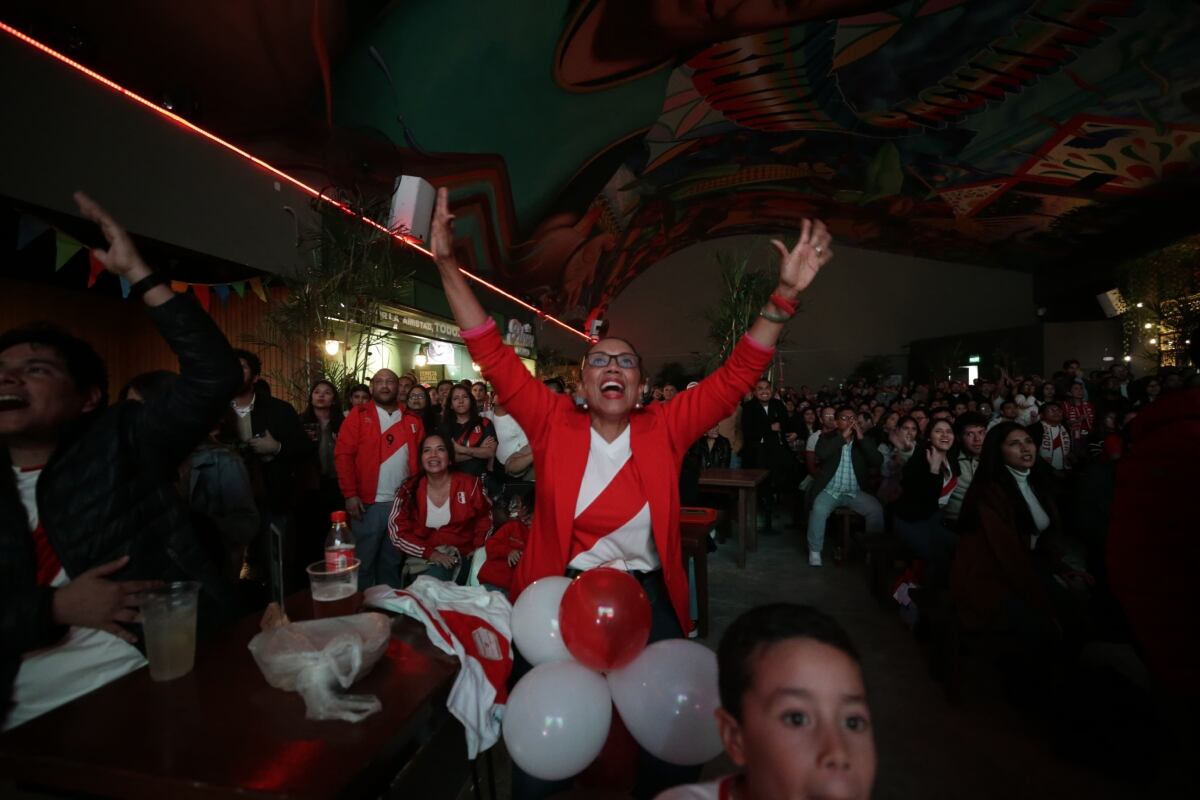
x,y
337,516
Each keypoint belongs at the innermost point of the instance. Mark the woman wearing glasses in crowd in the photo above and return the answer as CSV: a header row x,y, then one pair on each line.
x,y
608,469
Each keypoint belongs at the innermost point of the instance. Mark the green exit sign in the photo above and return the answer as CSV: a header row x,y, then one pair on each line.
x,y
972,359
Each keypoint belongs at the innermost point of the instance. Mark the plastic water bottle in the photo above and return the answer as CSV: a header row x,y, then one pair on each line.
x,y
339,544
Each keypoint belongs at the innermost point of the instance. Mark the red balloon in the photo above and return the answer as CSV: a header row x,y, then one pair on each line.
x,y
604,618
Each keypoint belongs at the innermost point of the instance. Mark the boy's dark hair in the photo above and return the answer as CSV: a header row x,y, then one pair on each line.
x,y
82,362
968,419
556,385
761,627
253,361
358,387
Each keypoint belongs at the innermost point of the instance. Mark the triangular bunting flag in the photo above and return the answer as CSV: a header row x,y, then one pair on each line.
x,y
222,293
95,268
240,288
203,295
256,285
125,287
64,248
28,229
179,287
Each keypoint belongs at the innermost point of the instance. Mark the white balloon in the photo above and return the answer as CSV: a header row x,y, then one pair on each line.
x,y
557,720
535,621
667,696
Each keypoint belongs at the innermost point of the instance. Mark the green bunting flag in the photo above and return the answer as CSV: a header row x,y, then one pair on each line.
x,y
64,248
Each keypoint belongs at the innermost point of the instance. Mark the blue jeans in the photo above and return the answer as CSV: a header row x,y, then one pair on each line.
x,y
380,560
825,503
653,774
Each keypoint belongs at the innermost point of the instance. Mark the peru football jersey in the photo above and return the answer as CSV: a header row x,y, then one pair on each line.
x,y
612,515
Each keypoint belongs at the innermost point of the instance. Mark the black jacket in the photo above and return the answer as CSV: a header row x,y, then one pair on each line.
x,y
110,490
761,445
864,456
716,457
282,478
922,488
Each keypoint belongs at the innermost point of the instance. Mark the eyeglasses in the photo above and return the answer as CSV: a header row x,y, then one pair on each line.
x,y
600,360
846,418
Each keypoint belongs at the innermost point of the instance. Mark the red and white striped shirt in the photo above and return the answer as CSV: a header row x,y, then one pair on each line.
x,y
612,514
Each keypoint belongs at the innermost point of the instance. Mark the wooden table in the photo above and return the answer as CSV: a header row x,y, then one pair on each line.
x,y
743,482
221,731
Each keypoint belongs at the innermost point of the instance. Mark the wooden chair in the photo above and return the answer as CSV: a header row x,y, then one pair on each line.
x,y
694,525
845,518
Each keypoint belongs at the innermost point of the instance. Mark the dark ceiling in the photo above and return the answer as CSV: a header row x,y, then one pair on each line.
x,y
594,137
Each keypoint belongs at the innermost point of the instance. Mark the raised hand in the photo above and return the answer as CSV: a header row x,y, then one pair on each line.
x,y
441,232
121,257
798,266
936,459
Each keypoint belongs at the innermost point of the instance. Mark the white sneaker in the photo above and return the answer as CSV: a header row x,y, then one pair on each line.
x,y
814,559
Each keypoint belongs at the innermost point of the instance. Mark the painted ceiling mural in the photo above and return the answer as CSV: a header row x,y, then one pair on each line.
x,y
592,142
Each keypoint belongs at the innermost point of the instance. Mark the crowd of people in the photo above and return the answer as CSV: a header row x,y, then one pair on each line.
x,y
999,490
1004,495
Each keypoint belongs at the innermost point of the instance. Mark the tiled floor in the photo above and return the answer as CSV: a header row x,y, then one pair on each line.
x,y
927,749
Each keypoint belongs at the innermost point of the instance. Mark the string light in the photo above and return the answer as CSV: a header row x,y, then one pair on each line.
x,y
1153,340
1127,359
278,173
1147,326
332,346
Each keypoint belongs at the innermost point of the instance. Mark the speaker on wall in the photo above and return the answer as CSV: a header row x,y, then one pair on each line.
x,y
1112,302
412,207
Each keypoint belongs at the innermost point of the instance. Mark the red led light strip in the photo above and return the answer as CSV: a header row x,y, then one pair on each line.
x,y
278,173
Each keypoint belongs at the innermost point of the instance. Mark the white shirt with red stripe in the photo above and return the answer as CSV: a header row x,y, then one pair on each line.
x,y
1054,445
474,625
720,789
612,514
84,660
949,484
393,454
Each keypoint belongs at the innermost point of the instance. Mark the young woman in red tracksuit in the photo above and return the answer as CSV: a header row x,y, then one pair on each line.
x,y
608,473
440,515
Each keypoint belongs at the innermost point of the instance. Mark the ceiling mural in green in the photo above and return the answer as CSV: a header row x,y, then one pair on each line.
x,y
592,139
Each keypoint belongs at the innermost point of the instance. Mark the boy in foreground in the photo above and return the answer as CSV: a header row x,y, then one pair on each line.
x,y
794,715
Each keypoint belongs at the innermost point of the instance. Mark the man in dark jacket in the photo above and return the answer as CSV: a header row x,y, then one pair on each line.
x,y
89,511
280,457
846,459
763,418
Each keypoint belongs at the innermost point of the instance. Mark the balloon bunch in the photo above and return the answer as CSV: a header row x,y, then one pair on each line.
x,y
587,641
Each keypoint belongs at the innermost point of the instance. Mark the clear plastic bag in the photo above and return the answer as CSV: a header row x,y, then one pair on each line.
x,y
317,657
